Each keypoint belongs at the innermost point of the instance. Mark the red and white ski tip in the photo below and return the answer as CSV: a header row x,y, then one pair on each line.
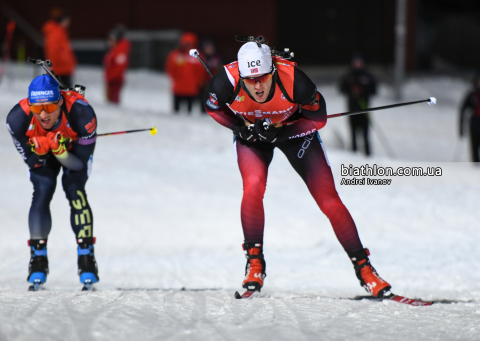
x,y
395,298
432,101
193,53
246,294
406,300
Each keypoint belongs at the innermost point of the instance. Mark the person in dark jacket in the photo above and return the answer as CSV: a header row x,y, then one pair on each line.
x,y
358,85
471,107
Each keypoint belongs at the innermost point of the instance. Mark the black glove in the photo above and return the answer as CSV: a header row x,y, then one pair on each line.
x,y
36,161
266,132
245,133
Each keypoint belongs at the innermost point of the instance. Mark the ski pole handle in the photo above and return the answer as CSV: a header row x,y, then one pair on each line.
x,y
430,101
194,53
153,131
46,65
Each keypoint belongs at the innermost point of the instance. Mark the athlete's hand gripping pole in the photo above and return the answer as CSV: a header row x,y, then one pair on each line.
x,y
430,101
153,131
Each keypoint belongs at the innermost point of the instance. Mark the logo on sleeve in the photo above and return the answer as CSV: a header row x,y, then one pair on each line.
x,y
212,101
10,129
91,126
232,65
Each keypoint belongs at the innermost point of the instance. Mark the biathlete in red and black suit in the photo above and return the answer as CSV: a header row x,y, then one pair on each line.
x,y
273,104
54,129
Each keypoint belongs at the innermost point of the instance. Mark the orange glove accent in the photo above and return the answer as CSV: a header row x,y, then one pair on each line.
x,y
40,145
57,143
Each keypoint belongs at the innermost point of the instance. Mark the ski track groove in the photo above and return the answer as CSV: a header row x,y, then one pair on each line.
x,y
84,321
248,311
3,337
281,308
308,331
195,319
162,313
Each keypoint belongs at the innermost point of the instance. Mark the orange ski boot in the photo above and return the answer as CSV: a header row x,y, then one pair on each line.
x,y
255,268
368,276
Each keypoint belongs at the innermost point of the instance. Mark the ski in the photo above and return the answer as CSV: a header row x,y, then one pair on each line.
x,y
36,285
396,298
88,285
392,297
246,294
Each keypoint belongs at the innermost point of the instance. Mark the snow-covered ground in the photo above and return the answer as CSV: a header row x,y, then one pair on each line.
x,y
168,231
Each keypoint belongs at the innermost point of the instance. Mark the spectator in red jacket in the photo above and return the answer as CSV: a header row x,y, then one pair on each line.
x,y
187,73
57,47
116,63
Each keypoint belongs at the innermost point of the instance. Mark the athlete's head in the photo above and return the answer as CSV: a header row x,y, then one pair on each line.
x,y
188,40
45,100
358,63
256,68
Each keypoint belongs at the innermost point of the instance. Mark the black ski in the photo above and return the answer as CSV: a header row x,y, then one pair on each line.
x,y
36,285
88,286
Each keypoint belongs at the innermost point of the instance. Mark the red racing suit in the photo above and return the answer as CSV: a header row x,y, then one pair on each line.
x,y
295,103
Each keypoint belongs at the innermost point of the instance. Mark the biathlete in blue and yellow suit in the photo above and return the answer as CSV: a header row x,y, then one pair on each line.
x,y
54,129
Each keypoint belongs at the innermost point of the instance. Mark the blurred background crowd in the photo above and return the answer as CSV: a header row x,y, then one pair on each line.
x,y
334,42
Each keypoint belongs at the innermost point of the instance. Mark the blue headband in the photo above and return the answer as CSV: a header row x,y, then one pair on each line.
x,y
43,89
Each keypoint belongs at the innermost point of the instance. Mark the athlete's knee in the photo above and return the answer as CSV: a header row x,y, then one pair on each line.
x,y
44,190
72,183
254,183
75,178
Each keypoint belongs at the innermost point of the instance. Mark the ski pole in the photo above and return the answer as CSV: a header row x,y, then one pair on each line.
x,y
153,131
430,101
194,53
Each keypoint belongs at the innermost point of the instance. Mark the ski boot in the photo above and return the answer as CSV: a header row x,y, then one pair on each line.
x,y
38,267
368,276
255,268
87,266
